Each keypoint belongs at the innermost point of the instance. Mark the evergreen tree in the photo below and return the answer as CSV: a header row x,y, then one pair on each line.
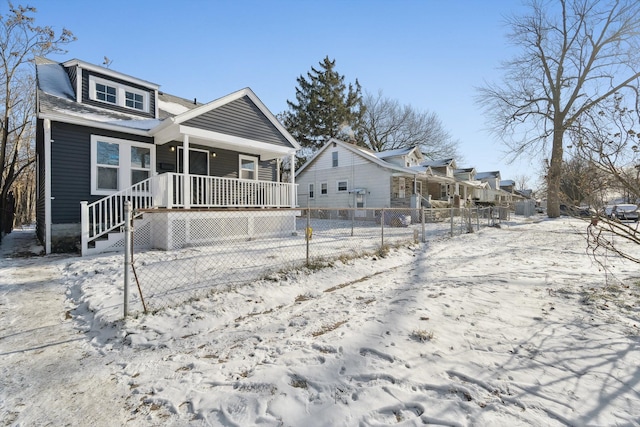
x,y
325,108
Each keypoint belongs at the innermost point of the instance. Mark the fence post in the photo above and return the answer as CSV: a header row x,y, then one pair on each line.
x,y
382,226
127,254
307,232
424,237
478,217
451,217
84,225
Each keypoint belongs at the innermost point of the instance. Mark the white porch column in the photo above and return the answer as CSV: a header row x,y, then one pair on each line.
x,y
186,182
47,186
292,179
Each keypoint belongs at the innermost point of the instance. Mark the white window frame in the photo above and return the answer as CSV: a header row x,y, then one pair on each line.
x,y
242,157
338,190
326,188
334,159
402,188
121,91
312,190
124,167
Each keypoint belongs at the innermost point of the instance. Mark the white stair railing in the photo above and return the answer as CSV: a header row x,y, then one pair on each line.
x,y
107,214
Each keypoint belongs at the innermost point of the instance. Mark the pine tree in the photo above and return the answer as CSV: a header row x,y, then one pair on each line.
x,y
325,108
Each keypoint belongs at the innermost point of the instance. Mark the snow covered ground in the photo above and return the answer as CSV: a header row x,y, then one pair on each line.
x,y
509,326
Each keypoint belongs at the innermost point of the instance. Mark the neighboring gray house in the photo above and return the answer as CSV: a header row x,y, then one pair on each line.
x,y
104,137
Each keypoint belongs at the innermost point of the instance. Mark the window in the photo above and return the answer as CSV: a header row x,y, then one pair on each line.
x,y
134,100
248,167
117,164
107,165
140,164
311,191
401,188
343,186
106,93
334,159
323,188
118,94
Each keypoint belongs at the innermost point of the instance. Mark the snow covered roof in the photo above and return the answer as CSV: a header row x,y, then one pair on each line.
x,y
439,163
397,152
485,175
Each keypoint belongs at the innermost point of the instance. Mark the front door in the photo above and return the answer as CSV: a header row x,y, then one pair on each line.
x,y
360,205
198,167
198,161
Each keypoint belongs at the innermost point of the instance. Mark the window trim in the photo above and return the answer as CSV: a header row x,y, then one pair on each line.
x,y
326,188
121,91
124,168
346,181
254,159
312,190
334,159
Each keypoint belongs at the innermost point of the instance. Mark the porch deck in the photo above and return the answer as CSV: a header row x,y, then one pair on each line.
x,y
173,191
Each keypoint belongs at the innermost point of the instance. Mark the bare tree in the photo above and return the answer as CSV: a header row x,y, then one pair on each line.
x,y
389,125
576,55
20,40
609,142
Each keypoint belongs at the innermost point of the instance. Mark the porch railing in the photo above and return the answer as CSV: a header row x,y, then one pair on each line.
x,y
216,192
168,191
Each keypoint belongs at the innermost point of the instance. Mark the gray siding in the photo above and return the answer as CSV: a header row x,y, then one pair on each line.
x,y
73,77
71,168
86,100
241,118
226,163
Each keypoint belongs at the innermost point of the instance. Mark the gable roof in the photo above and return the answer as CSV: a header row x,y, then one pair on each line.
x,y
363,152
217,120
439,163
398,152
487,175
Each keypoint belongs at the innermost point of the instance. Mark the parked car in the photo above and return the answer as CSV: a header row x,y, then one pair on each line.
x,y
623,212
575,211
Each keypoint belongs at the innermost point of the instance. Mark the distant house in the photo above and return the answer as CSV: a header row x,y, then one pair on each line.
x,y
494,194
342,175
104,137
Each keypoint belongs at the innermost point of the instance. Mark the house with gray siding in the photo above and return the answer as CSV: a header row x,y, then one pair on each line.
x,y
104,138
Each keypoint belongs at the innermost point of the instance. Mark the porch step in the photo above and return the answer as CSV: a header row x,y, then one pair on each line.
x,y
114,241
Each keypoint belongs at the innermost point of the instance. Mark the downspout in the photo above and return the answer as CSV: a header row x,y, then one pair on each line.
x,y
186,183
47,185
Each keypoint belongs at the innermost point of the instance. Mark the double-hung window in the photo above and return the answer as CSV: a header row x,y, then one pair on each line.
x,y
248,167
312,193
323,188
342,186
117,164
334,159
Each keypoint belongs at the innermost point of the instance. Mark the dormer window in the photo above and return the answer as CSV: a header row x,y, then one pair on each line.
x,y
106,93
117,94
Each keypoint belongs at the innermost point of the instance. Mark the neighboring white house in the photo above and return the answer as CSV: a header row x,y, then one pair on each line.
x,y
494,194
343,175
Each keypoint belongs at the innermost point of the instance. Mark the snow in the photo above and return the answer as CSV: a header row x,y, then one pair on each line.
x,y
508,326
53,79
172,107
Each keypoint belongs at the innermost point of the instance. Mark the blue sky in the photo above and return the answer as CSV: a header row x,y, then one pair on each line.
x,y
426,53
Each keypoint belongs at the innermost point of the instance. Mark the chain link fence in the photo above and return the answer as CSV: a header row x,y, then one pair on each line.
x,y
198,253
